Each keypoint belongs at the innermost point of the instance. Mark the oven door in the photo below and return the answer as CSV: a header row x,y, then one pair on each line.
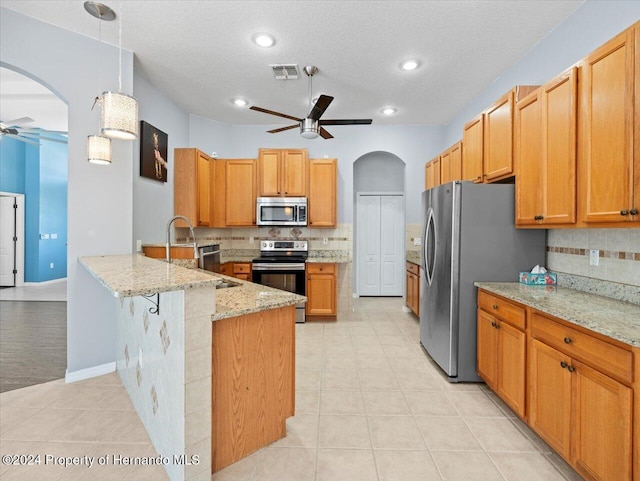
x,y
284,276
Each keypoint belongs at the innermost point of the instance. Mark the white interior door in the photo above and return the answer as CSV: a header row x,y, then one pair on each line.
x,y
380,245
7,242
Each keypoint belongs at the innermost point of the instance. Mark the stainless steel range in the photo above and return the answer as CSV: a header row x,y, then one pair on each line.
x,y
282,265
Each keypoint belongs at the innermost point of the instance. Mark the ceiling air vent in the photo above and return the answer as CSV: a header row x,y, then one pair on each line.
x,y
285,71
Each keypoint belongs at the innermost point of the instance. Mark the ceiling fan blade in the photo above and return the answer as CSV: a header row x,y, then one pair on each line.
x,y
320,106
271,112
282,129
35,130
346,122
324,134
22,139
20,121
62,141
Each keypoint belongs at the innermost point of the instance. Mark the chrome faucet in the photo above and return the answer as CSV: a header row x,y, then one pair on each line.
x,y
168,244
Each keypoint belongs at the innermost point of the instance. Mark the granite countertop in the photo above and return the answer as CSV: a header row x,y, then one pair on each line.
x,y
616,319
136,275
337,259
413,257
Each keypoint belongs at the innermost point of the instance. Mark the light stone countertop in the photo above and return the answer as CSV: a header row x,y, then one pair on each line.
x,y
329,259
135,275
413,257
616,319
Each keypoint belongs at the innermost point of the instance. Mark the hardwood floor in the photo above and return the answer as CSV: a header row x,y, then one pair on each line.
x,y
33,343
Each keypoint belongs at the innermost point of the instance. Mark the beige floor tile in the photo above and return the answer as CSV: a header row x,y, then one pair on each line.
x,y
343,349
41,395
343,432
308,363
339,363
406,466
474,404
286,464
378,380
506,410
372,362
17,448
429,403
401,350
385,402
526,467
466,466
308,380
345,464
561,465
539,443
302,432
395,432
120,458
396,339
146,473
447,434
12,416
499,435
242,470
307,402
415,363
111,379
362,330
417,380
93,396
341,402
127,428
340,380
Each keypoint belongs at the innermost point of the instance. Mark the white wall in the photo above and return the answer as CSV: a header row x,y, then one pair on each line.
x,y
100,198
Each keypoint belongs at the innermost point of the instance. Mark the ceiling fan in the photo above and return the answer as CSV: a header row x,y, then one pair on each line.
x,y
14,129
311,126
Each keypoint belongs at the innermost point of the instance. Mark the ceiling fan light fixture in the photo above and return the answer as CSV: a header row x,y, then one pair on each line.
x,y
264,40
119,116
309,129
388,111
409,64
99,149
238,102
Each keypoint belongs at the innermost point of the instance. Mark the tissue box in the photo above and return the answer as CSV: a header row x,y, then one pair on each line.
x,y
544,279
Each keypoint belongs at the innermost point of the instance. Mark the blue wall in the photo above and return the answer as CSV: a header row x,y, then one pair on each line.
x,y
40,173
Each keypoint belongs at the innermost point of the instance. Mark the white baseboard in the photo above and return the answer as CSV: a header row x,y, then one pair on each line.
x,y
44,283
405,309
355,295
89,372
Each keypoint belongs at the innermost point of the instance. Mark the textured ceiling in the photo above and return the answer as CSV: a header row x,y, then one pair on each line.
x,y
201,55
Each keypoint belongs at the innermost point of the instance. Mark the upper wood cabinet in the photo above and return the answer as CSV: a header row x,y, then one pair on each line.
x,y
240,192
432,173
473,141
282,172
445,167
192,187
323,193
451,164
545,153
609,145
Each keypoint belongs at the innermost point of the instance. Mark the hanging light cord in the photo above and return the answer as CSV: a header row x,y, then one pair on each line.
x,y
310,91
120,51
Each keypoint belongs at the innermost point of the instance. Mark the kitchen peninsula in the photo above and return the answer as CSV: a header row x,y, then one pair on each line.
x,y
210,371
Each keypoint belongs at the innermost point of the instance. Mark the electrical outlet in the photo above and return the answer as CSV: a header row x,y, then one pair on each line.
x,y
325,240
44,236
417,241
51,265
594,257
54,236
138,245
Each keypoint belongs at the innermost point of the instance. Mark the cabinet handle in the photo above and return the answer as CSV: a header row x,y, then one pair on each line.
x,y
538,217
493,324
563,364
479,177
495,306
567,340
633,212
624,212
570,368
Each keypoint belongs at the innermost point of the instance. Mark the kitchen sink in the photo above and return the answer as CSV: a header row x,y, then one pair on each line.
x,y
226,284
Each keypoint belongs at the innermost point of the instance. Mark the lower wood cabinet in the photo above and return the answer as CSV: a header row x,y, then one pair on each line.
x,y
321,289
157,252
242,270
412,286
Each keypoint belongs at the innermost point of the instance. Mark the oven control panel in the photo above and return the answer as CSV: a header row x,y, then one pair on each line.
x,y
283,246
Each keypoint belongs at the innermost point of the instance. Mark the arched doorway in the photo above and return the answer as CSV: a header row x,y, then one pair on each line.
x,y
379,224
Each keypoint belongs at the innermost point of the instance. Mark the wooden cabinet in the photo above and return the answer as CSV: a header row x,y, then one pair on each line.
x,y
498,138
546,125
502,349
609,144
160,252
445,167
226,269
473,141
240,209
580,402
192,187
451,164
412,286
432,173
253,382
282,172
242,270
323,193
321,289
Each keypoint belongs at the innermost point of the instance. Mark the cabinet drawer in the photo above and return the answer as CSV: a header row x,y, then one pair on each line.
x,y
317,268
413,268
241,268
601,355
503,309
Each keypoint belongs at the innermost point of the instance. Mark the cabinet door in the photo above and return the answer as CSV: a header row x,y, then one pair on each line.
x,y
606,163
456,161
294,173
529,160
473,141
416,294
602,424
445,167
269,172
487,349
559,120
321,294
241,192
512,367
550,396
409,289
437,176
428,176
204,190
498,138
322,201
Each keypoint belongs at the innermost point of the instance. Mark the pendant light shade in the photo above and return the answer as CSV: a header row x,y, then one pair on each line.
x,y
99,149
119,118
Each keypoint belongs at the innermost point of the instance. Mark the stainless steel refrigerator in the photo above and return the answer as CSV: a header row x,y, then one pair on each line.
x,y
469,235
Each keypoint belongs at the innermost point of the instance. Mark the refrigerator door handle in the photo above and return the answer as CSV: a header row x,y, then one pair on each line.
x,y
430,234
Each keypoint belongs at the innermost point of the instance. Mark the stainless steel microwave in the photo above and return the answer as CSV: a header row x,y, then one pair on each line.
x,y
282,211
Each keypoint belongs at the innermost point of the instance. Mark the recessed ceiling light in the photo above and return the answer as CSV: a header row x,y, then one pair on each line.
x,y
388,111
240,102
410,64
263,40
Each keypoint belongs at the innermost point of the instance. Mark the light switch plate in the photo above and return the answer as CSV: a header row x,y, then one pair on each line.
x,y
417,241
594,257
138,245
